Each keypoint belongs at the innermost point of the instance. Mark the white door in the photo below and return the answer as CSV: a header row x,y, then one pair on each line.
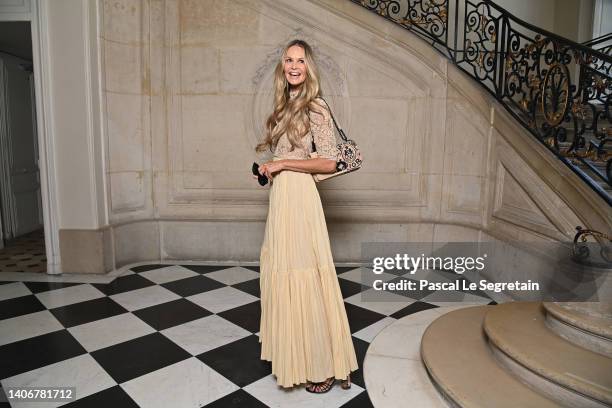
x,y
20,177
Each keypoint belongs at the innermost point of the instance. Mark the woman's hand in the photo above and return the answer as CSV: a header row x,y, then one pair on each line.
x,y
269,169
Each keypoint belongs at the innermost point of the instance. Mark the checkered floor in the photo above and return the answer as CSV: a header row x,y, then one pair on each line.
x,y
172,336
24,254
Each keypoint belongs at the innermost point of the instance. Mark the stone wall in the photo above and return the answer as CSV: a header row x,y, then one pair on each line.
x,y
187,85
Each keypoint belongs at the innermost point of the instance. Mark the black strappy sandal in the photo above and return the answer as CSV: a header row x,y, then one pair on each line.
x,y
346,384
321,387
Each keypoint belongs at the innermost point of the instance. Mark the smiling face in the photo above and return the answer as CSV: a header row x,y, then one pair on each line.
x,y
295,66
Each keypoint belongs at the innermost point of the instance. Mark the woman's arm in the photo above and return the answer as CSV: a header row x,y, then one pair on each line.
x,y
318,165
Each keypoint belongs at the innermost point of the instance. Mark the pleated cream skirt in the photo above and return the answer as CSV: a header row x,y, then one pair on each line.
x,y
304,329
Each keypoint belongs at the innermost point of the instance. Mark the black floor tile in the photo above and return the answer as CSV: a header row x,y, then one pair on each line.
x,y
170,314
413,308
361,347
350,288
3,399
342,269
251,287
89,311
205,268
193,285
247,316
238,361
37,287
238,399
124,284
20,306
360,318
144,268
39,351
140,356
110,397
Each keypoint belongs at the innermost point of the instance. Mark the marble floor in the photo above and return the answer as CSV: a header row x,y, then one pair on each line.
x,y
172,335
24,254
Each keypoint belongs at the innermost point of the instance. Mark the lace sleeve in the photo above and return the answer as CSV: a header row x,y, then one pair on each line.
x,y
322,129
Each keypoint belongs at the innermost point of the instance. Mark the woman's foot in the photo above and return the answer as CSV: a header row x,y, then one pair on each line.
x,y
320,387
346,384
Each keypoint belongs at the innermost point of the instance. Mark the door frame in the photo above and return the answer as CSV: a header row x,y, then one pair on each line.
x,y
36,11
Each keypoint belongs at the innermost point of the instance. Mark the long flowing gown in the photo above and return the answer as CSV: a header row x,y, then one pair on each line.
x,y
304,329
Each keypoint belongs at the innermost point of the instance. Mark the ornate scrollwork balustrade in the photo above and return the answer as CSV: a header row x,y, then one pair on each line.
x,y
592,248
558,89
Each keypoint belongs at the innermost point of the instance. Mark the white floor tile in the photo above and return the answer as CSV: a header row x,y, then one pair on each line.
x,y
365,276
393,370
232,276
222,299
168,274
395,382
448,298
145,297
368,333
201,335
82,372
67,296
402,339
13,290
267,391
110,331
186,384
389,302
26,326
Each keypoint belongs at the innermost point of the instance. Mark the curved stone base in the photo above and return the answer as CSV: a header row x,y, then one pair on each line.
x,y
459,360
544,386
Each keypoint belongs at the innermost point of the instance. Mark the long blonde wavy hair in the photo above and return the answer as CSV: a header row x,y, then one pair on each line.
x,y
290,116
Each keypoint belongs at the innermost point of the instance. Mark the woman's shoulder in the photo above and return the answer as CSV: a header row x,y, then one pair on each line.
x,y
322,110
320,101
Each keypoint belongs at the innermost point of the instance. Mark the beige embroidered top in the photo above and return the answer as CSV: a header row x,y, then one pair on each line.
x,y
322,128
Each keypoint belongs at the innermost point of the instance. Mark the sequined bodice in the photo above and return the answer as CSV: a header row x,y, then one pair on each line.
x,y
322,129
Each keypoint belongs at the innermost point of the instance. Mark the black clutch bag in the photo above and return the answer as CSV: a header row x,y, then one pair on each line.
x,y
263,180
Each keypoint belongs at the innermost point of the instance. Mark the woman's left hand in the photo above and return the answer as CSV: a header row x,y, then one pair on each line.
x,y
269,169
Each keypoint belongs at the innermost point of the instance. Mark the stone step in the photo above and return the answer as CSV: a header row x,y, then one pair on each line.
x,y
527,347
461,364
586,324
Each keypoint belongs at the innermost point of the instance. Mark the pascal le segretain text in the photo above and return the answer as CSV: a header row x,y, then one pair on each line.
x,y
423,284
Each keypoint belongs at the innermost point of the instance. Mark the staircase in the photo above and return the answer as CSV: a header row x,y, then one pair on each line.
x,y
557,89
586,324
524,354
511,355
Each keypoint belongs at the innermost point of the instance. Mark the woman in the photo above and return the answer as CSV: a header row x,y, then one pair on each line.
x,y
304,328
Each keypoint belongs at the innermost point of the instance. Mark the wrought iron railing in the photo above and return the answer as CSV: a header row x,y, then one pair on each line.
x,y
558,89
602,44
592,248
